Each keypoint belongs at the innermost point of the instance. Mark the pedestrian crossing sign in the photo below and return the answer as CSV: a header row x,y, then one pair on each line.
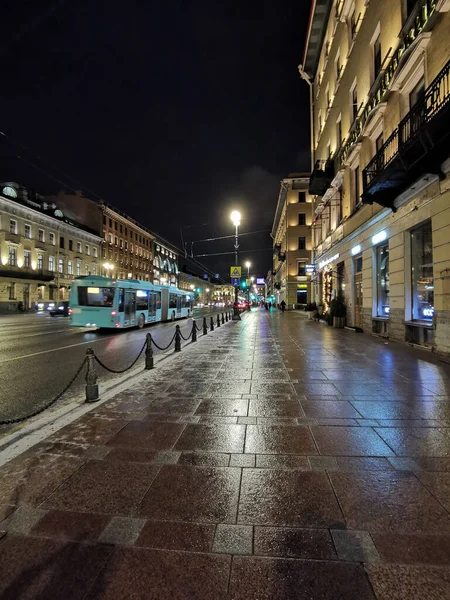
x,y
235,271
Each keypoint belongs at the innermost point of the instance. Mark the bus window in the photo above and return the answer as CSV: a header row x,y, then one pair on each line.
x,y
152,304
158,300
172,300
186,302
120,300
141,300
95,296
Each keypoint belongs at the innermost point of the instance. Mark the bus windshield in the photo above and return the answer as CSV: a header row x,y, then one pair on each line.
x,y
95,296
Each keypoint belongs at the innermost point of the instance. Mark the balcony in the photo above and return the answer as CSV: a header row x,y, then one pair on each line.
x,y
321,177
26,273
416,147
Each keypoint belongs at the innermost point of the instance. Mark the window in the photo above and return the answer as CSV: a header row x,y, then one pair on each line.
x,y
51,237
417,94
12,226
104,219
61,241
94,269
302,296
61,265
352,25
327,97
88,250
78,268
79,247
86,269
339,133
110,238
126,245
302,219
302,197
422,273
95,251
110,223
115,225
355,200
354,100
41,235
301,270
51,263
12,256
379,142
95,296
338,66
40,262
28,231
377,57
120,229
27,258
12,290
69,267
116,241
382,258
302,243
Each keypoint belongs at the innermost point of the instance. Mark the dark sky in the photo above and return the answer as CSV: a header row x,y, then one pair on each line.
x,y
175,112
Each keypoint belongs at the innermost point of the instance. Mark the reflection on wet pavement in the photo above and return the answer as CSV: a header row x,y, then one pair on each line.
x,y
275,458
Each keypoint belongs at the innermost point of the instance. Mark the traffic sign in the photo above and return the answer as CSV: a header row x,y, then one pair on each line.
x,y
235,271
235,281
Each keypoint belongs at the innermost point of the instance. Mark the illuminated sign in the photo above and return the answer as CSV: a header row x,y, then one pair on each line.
x,y
93,290
379,237
141,294
310,268
355,250
326,262
302,286
260,281
428,312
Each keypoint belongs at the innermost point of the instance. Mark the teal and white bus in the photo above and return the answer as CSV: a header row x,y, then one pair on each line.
x,y
119,303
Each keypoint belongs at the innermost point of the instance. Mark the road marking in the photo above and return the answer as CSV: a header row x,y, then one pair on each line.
x,y
47,351
41,333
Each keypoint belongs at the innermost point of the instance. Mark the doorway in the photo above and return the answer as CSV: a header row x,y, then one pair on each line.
x,y
26,297
359,300
130,308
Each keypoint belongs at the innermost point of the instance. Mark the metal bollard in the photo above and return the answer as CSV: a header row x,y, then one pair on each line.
x,y
226,317
194,331
218,320
205,326
91,377
149,352
211,326
177,339
223,320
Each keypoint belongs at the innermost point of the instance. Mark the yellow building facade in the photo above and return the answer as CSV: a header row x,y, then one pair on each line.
x,y
379,78
292,242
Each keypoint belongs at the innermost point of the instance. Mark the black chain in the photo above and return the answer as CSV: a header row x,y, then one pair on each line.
x,y
121,370
188,337
168,346
198,328
49,404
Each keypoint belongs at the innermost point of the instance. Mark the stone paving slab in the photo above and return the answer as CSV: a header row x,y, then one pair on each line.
x,y
274,458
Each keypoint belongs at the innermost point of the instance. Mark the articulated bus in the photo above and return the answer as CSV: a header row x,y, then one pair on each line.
x,y
119,303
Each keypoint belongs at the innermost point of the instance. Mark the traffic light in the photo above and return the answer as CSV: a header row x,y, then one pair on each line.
x,y
244,285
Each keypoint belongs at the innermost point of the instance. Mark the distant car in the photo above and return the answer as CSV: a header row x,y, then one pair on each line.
x,y
62,310
242,305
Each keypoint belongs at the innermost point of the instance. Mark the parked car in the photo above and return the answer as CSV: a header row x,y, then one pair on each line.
x,y
61,310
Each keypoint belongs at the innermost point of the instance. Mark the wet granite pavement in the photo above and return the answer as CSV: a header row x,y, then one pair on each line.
x,y
275,458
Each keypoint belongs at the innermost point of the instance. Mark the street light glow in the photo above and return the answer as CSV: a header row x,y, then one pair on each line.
x,y
248,264
236,218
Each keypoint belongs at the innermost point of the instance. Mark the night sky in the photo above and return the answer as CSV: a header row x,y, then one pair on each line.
x,y
175,112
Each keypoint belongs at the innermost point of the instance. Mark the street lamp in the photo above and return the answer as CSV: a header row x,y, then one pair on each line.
x,y
236,220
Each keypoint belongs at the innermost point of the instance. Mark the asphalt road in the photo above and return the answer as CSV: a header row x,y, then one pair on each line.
x,y
40,354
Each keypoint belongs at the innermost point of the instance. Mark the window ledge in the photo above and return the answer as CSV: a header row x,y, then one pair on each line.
x,y
425,324
386,319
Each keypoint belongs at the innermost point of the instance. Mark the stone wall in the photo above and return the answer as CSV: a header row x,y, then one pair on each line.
x,y
396,327
442,332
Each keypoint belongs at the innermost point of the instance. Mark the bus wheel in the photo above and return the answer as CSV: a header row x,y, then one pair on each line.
x,y
173,316
141,321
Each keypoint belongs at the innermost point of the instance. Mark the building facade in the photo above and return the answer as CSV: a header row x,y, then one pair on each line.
x,y
165,263
127,250
41,251
291,234
207,291
379,77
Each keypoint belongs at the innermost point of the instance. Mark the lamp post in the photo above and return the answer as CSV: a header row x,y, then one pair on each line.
x,y
236,219
248,264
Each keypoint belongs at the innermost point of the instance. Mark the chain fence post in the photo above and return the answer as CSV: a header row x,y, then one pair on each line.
x,y
218,320
205,326
194,331
211,325
91,377
223,319
149,352
177,339
226,317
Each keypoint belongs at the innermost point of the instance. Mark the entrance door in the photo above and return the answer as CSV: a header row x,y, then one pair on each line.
x,y
26,297
179,301
130,308
152,307
358,300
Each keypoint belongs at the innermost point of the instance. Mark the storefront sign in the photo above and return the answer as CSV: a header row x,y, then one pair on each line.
x,y
326,262
260,281
310,268
355,250
379,237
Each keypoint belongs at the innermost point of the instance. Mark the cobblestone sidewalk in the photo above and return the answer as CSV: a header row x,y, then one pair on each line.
x,y
275,458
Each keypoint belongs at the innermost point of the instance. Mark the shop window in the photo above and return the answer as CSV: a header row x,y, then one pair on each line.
x,y
382,264
422,273
40,292
340,276
302,296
